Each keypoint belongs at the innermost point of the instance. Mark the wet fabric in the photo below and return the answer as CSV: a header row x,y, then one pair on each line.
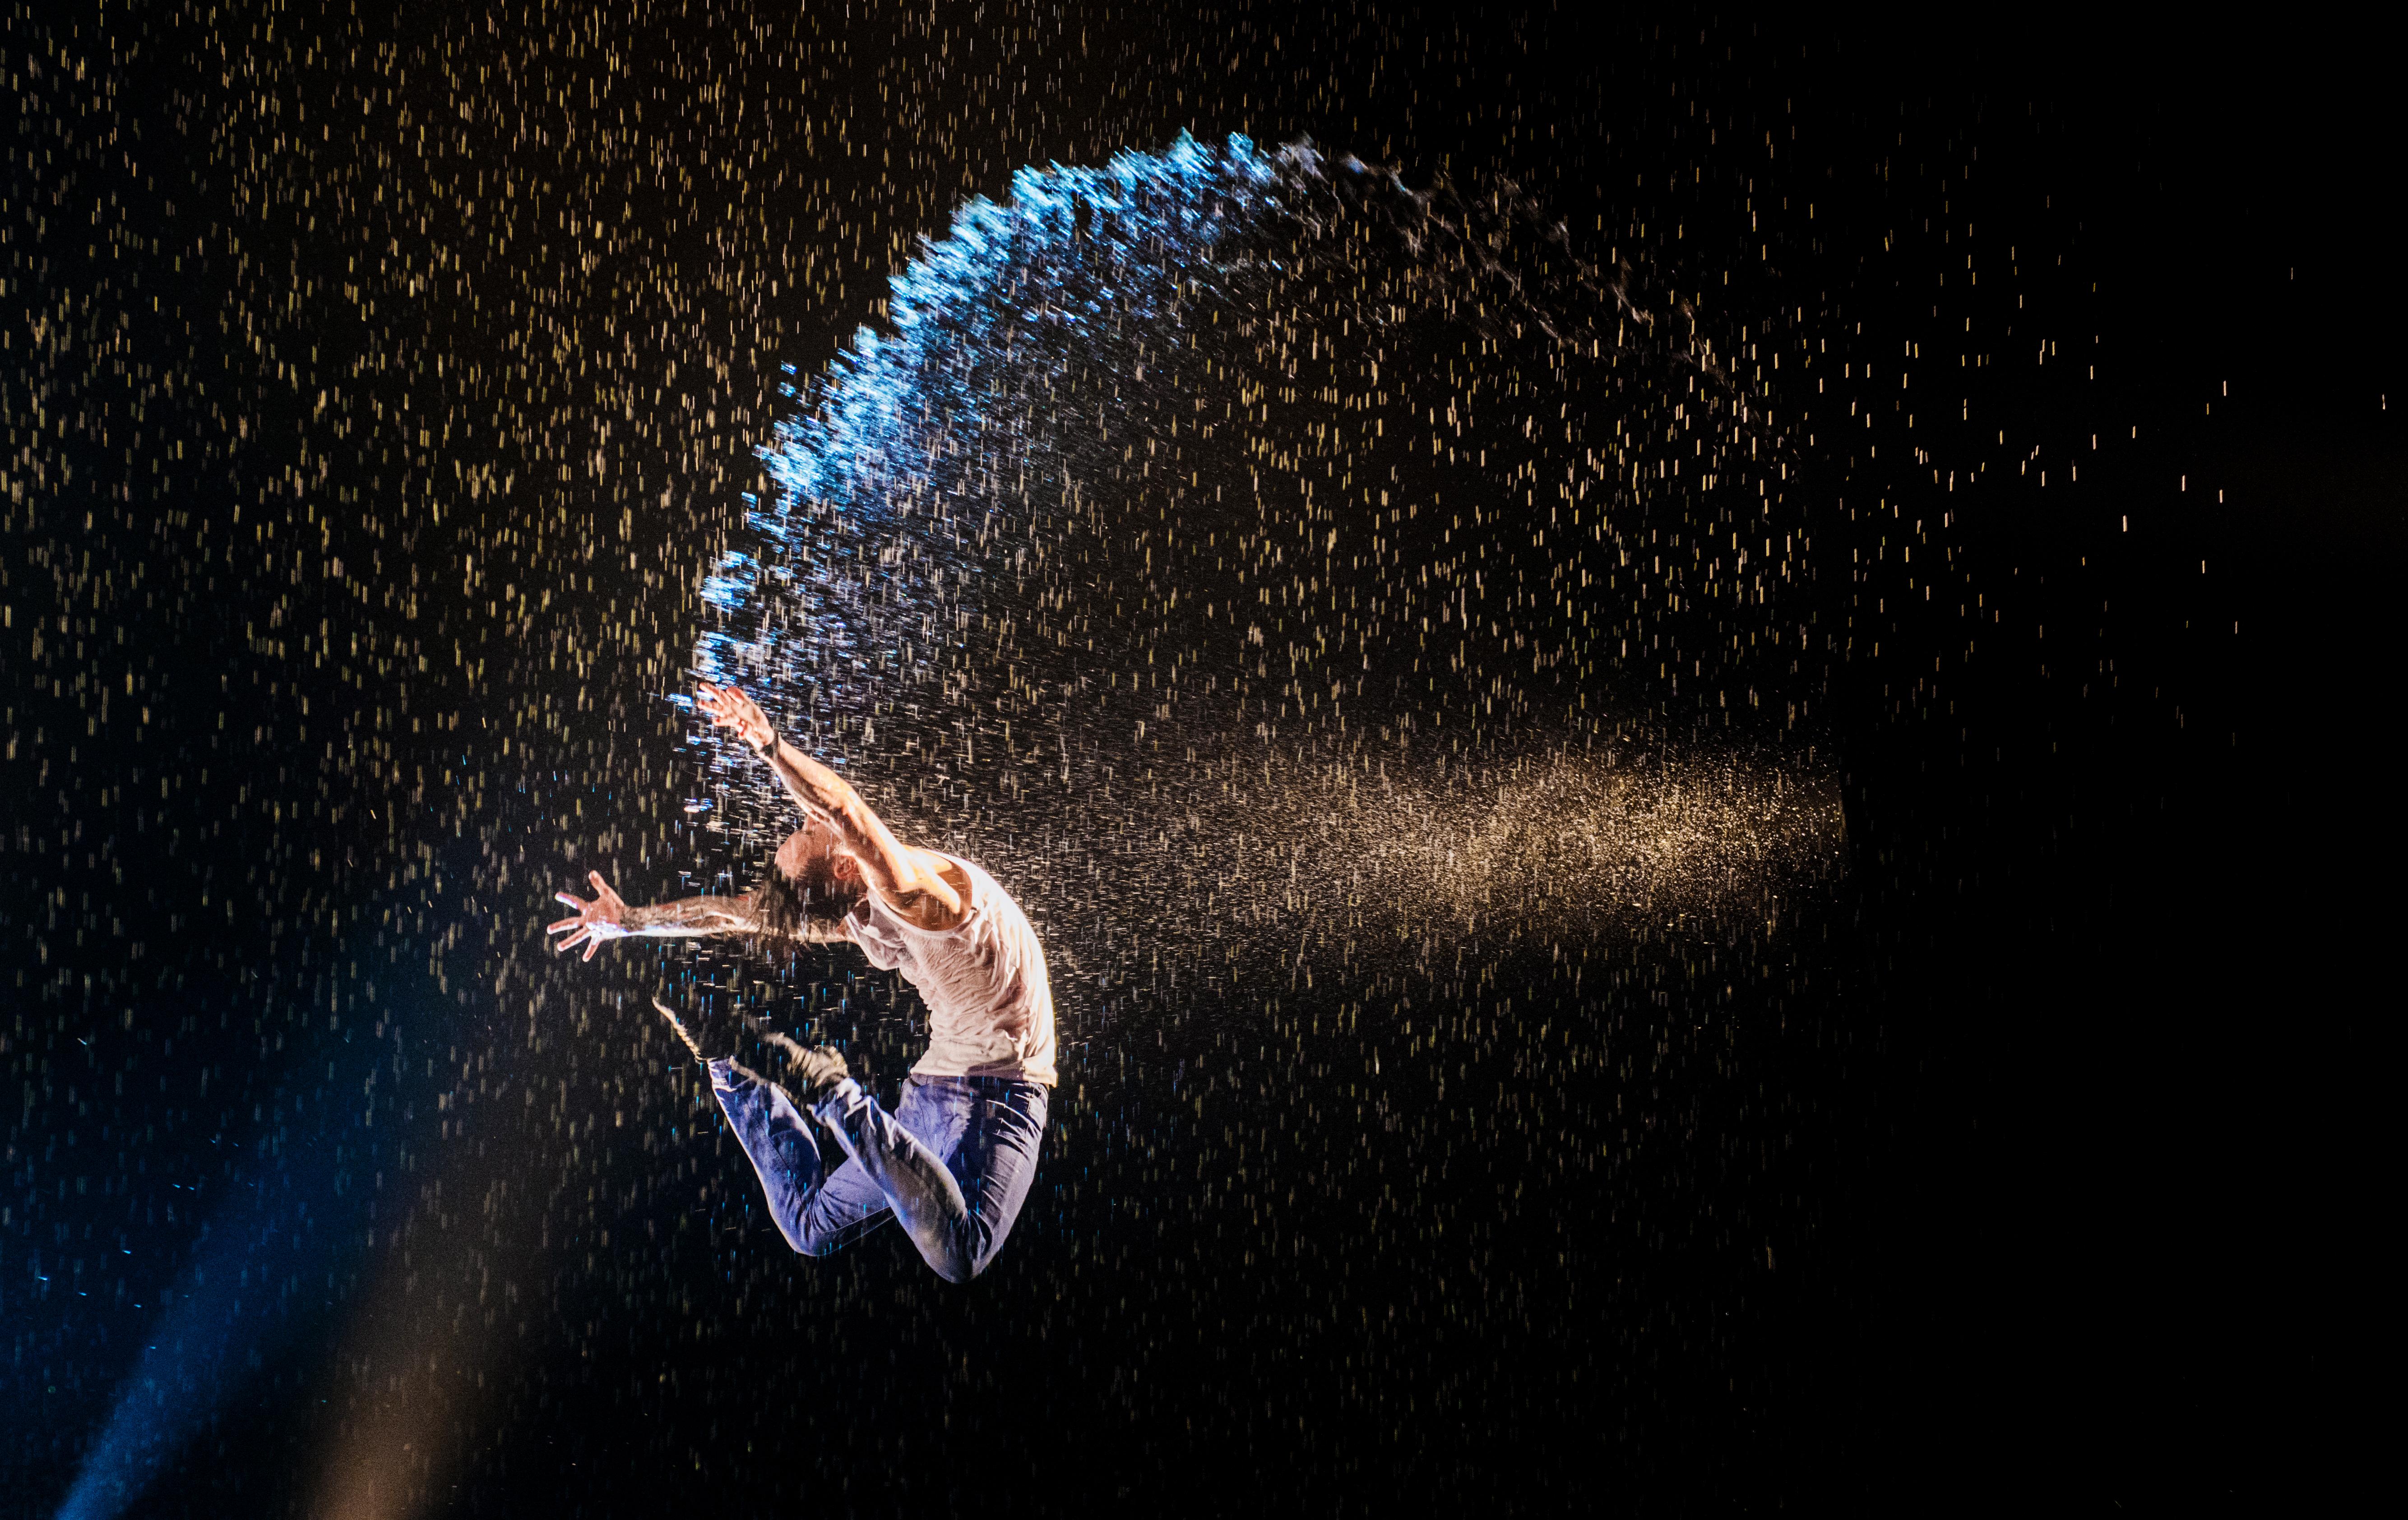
x,y
990,1006
953,1162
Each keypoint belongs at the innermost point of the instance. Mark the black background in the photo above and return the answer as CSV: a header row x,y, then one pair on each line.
x,y
2072,1078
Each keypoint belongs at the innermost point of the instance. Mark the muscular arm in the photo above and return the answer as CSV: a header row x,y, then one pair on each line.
x,y
607,917
690,918
914,881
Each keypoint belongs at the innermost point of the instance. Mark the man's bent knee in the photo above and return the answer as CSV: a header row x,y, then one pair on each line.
x,y
965,1261
954,1264
816,1240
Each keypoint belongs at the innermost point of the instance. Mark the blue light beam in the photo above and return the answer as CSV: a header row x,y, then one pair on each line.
x,y
270,1259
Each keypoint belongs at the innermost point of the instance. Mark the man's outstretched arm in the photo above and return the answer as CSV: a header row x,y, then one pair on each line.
x,y
608,916
698,917
910,879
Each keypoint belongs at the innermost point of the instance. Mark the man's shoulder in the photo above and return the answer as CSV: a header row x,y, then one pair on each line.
x,y
957,873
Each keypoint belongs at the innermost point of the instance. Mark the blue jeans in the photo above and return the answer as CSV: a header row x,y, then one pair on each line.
x,y
953,1163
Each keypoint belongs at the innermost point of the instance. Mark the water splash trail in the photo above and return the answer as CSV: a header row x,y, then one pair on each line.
x,y
1190,495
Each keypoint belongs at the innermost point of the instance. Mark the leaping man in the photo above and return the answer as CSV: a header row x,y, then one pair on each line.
x,y
954,1161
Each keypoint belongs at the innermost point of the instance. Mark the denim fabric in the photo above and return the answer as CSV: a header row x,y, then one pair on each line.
x,y
953,1162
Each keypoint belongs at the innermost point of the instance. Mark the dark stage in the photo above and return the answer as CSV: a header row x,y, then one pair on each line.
x,y
1691,713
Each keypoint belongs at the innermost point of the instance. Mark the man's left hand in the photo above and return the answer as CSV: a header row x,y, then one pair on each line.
x,y
728,707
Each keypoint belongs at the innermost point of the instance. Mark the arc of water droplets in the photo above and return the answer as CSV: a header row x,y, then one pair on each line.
x,y
926,496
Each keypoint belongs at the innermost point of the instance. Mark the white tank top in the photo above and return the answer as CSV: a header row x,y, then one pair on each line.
x,y
990,1007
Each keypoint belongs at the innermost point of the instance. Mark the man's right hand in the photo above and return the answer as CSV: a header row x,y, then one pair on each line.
x,y
604,917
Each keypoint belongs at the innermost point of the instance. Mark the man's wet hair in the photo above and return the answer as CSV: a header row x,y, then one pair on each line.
x,y
785,906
